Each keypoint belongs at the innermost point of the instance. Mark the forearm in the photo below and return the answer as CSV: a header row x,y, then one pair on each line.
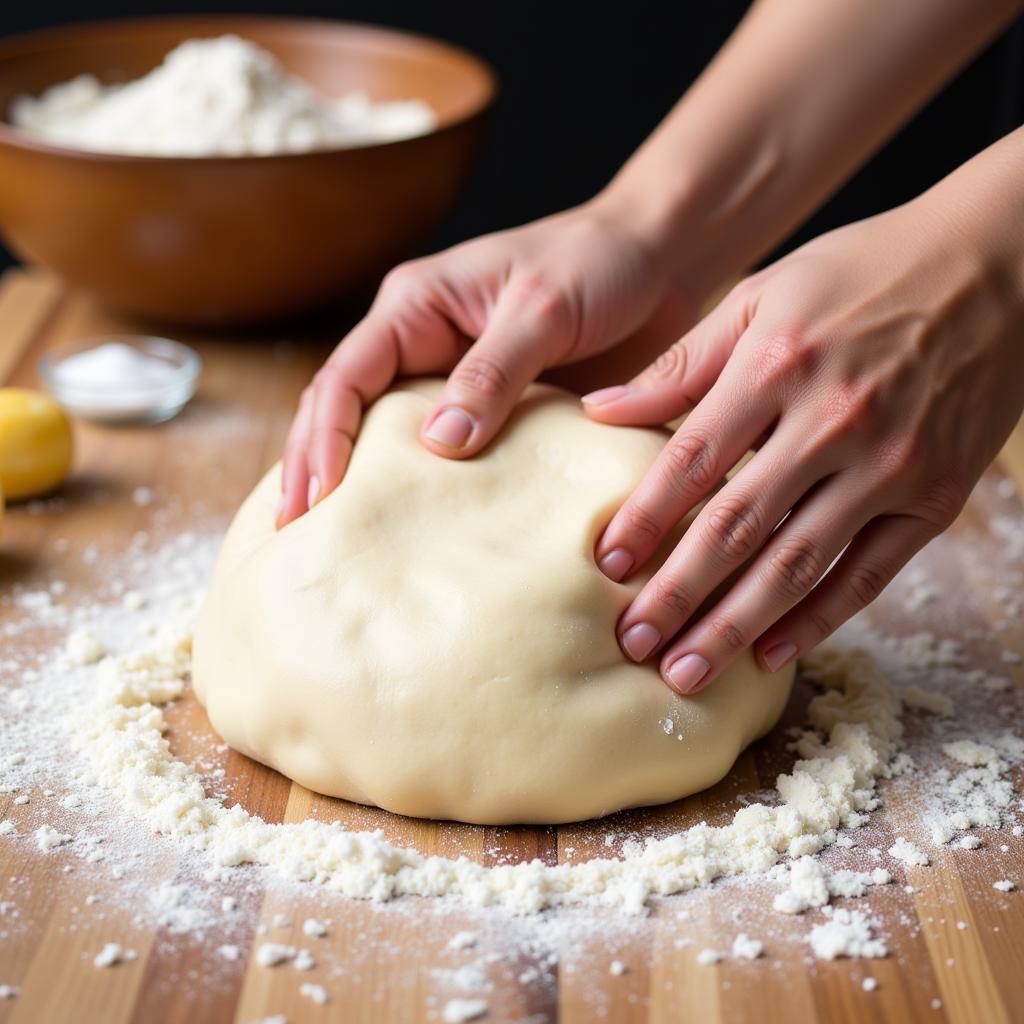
x,y
797,99
979,210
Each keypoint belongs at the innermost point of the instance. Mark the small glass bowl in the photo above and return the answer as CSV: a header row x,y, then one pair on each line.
x,y
145,402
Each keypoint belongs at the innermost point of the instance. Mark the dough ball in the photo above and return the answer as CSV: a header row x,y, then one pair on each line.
x,y
435,638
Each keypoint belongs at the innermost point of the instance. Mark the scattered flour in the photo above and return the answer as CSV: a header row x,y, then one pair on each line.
x,y
111,955
315,993
911,855
83,647
462,940
316,929
460,1011
272,954
1004,885
981,794
846,933
812,884
48,838
853,742
746,948
709,957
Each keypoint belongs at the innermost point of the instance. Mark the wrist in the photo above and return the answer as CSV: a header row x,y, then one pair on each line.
x,y
975,213
655,210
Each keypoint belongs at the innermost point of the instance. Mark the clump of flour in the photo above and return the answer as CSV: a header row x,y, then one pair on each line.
x,y
213,97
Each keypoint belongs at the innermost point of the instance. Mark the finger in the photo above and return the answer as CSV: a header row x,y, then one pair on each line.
x,y
727,533
711,441
295,469
681,376
787,569
486,383
877,554
408,331
359,370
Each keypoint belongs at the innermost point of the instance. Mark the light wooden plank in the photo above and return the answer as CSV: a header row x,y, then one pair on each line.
x,y
26,301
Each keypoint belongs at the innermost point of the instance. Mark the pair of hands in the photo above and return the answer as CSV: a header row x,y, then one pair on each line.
x,y
875,371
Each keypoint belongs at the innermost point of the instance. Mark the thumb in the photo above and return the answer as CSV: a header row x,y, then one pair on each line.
x,y
682,375
487,382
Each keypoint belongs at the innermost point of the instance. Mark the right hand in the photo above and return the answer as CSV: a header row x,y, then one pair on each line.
x,y
492,314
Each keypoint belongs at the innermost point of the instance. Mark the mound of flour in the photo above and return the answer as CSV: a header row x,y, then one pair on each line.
x,y
213,97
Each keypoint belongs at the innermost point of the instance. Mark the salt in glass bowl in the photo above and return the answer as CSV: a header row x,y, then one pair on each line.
x,y
147,401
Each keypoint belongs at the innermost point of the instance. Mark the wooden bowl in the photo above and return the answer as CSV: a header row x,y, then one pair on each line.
x,y
231,241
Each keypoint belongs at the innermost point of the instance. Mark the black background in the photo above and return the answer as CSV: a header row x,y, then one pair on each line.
x,y
582,84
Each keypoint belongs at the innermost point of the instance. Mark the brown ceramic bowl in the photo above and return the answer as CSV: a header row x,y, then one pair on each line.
x,y
229,241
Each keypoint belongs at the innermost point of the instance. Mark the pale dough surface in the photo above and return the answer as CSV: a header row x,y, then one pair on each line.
x,y
435,638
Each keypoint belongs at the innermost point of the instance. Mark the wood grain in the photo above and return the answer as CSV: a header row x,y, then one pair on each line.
x,y
383,964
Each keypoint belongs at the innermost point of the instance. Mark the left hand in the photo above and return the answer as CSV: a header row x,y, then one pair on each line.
x,y
879,367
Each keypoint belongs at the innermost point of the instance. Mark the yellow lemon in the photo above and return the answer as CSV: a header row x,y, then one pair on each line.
x,y
35,443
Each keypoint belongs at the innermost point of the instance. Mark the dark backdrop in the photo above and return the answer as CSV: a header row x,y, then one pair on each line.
x,y
583,83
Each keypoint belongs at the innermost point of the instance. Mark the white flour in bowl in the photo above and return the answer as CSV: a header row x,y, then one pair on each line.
x,y
213,97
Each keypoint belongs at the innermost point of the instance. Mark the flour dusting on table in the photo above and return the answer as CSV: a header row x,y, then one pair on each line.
x,y
911,727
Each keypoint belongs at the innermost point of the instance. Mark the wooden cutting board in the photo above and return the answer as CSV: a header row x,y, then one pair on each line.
x,y
386,963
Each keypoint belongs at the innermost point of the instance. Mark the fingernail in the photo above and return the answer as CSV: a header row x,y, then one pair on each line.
x,y
279,509
616,564
604,395
685,674
778,655
451,428
314,491
638,641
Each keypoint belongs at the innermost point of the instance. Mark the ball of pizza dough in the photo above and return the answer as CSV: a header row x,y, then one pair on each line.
x,y
435,638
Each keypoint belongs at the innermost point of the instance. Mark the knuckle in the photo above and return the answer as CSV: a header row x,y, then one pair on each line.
x,y
330,378
641,523
482,376
900,459
821,624
402,281
865,581
689,463
942,500
734,527
796,566
743,289
728,633
671,594
850,411
543,299
669,367
783,356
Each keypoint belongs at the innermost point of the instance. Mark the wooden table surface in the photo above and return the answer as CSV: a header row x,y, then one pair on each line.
x,y
390,963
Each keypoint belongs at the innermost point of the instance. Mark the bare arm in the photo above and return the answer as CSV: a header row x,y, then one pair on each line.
x,y
798,98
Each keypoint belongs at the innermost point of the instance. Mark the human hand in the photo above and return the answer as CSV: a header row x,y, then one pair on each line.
x,y
877,370
492,313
